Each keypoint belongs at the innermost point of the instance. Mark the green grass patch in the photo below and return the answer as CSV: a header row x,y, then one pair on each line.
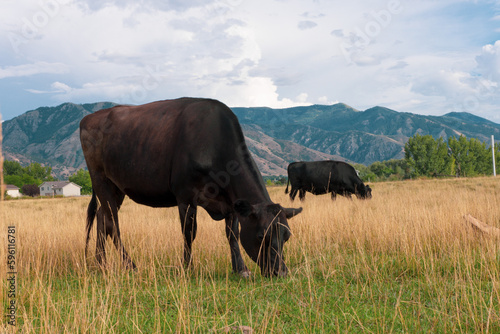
x,y
376,294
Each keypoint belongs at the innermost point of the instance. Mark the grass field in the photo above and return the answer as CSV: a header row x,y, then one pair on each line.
x,y
404,261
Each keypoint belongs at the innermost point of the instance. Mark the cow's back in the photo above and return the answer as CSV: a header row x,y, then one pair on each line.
x,y
310,175
146,149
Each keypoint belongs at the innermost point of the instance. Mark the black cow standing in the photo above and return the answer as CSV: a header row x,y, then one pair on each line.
x,y
322,177
186,152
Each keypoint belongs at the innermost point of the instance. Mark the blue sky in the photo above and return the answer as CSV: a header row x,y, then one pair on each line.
x,y
427,57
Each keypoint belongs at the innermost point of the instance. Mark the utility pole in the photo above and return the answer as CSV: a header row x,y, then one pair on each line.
x,y
493,154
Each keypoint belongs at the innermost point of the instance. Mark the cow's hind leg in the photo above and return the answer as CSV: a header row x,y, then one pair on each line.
x,y
334,195
302,194
233,235
293,193
189,226
110,198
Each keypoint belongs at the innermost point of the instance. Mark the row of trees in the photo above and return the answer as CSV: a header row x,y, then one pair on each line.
x,y
390,170
426,156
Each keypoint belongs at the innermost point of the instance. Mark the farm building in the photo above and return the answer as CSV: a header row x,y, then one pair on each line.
x,y
12,190
57,188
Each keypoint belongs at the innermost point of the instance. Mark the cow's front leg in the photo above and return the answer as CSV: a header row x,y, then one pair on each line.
x,y
233,235
188,223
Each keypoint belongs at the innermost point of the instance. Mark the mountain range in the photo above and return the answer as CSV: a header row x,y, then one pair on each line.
x,y
276,137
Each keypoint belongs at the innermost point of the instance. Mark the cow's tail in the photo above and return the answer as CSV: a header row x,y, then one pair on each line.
x,y
91,212
287,183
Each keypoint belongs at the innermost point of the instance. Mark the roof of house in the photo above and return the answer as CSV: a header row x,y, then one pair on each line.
x,y
11,187
58,184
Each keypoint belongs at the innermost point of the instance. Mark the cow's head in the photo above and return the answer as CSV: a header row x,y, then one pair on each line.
x,y
364,192
264,231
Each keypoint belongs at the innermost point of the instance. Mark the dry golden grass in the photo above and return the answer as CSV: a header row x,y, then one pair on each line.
x,y
410,239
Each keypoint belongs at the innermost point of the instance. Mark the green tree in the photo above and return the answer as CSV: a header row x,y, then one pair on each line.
x,y
82,178
12,168
472,157
381,170
281,180
428,157
398,167
17,175
463,158
38,172
365,173
28,179
16,180
482,160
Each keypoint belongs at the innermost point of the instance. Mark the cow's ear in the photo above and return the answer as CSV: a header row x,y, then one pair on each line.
x,y
244,208
290,212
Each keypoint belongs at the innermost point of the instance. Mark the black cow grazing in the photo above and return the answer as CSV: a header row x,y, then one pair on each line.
x,y
186,152
322,177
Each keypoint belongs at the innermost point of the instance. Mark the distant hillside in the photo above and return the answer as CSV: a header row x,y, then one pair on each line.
x,y
276,137
273,155
49,135
376,134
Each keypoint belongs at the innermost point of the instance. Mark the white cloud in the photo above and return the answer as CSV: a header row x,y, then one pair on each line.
x,y
158,54
325,100
426,57
489,61
61,87
302,98
27,70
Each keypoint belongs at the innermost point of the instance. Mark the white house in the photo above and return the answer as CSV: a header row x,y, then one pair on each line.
x,y
12,190
56,188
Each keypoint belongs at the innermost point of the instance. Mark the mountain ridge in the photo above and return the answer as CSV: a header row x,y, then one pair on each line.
x,y
276,137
